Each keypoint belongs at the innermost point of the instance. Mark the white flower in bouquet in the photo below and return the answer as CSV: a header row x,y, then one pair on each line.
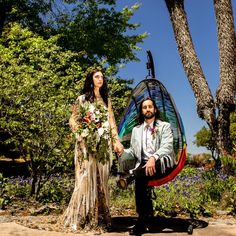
x,y
91,107
100,131
105,124
85,133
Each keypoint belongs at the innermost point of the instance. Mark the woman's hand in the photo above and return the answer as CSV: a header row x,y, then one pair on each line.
x,y
118,148
74,126
73,109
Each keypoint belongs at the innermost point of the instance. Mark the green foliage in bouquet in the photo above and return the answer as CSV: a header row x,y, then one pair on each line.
x,y
94,130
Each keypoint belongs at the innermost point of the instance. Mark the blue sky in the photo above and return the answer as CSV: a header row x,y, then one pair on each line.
x,y
154,19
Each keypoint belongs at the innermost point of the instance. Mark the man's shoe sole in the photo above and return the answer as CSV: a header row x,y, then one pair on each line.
x,y
122,183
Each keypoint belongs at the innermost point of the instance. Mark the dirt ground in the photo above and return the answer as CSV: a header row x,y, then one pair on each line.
x,y
50,226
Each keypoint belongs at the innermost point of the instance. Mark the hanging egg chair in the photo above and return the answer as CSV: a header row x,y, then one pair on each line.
x,y
151,87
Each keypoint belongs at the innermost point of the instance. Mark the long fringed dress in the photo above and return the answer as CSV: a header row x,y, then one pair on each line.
x,y
89,204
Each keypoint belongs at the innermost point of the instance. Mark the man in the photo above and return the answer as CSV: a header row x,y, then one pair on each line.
x,y
150,156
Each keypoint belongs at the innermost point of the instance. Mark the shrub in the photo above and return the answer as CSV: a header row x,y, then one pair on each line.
x,y
58,189
200,160
229,164
195,192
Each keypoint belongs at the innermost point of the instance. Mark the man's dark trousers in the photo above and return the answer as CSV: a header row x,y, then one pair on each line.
x,y
143,193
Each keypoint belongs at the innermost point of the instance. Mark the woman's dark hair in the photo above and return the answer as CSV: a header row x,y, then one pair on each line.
x,y
88,89
141,116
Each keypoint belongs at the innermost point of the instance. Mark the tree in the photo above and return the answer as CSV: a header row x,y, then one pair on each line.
x,y
39,81
27,12
215,112
233,131
203,138
120,92
96,28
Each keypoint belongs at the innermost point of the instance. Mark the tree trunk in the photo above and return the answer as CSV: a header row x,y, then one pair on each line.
x,y
223,141
33,185
34,176
38,188
192,67
225,95
226,91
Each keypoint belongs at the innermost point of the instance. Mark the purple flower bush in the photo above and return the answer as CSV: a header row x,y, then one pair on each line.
x,y
195,192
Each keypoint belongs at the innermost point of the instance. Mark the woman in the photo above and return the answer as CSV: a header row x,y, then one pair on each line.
x,y
92,121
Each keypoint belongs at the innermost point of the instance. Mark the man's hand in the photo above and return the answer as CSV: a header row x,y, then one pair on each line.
x,y
150,168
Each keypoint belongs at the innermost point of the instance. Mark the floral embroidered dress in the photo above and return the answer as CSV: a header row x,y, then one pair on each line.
x,y
89,204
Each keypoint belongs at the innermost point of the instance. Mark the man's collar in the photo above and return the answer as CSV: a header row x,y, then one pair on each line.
x,y
145,124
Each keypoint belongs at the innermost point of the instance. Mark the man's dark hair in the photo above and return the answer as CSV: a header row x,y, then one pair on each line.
x,y
141,116
89,86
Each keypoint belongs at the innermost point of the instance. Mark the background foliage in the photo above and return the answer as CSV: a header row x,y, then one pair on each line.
x,y
39,82
195,193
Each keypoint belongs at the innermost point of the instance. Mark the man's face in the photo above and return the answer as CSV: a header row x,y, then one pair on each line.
x,y
148,109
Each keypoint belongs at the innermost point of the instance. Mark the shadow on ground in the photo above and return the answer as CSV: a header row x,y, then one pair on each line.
x,y
159,224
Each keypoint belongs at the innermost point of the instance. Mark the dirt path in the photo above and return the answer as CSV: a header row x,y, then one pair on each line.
x,y
160,226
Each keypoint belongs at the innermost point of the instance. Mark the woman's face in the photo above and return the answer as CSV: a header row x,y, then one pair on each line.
x,y
98,79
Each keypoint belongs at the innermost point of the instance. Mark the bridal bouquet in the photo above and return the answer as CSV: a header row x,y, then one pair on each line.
x,y
93,127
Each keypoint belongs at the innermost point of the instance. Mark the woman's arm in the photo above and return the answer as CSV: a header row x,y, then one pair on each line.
x,y
118,147
72,121
74,114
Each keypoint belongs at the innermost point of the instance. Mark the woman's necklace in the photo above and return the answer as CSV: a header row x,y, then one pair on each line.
x,y
99,98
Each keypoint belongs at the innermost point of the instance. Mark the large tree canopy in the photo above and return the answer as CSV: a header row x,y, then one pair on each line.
x,y
94,27
27,12
100,31
38,83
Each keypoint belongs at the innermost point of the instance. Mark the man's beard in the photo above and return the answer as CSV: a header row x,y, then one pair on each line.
x,y
149,115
